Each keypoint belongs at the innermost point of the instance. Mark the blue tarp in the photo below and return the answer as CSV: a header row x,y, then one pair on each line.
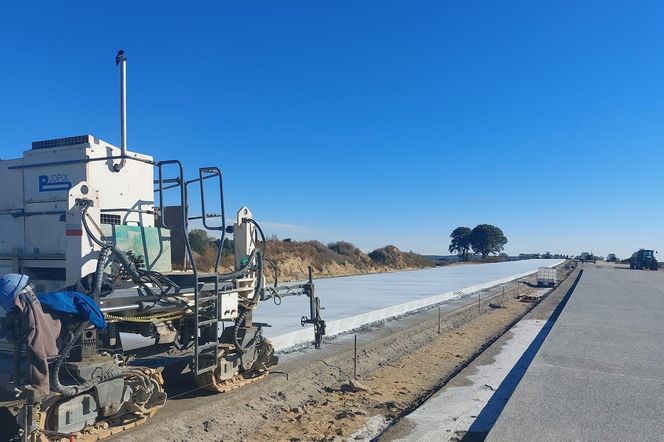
x,y
75,303
10,286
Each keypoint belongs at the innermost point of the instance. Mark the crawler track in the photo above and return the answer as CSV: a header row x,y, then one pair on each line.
x,y
208,381
137,415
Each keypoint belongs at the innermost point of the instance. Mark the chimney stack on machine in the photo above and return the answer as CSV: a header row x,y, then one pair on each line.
x,y
121,59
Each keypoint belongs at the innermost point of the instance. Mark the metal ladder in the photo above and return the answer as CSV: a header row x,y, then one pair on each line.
x,y
207,306
206,346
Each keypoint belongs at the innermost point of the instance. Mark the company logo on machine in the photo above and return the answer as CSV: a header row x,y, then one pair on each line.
x,y
53,183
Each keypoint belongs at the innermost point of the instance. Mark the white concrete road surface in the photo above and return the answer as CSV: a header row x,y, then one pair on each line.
x,y
599,375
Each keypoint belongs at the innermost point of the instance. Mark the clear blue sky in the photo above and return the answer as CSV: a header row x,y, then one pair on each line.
x,y
374,122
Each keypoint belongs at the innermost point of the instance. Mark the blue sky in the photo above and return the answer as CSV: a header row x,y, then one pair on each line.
x,y
374,122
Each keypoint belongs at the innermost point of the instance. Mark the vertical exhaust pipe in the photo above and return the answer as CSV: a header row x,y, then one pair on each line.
x,y
121,59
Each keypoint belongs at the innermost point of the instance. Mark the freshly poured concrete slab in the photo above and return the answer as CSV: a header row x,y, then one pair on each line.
x,y
353,301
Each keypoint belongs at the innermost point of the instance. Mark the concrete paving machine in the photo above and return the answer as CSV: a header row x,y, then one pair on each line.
x,y
105,297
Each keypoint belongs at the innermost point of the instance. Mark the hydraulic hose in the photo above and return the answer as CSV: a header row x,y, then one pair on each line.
x,y
119,254
126,263
259,278
99,273
240,319
258,227
242,270
274,269
238,346
73,390
138,276
254,301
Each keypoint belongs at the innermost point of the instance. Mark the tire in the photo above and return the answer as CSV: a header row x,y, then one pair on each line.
x,y
654,266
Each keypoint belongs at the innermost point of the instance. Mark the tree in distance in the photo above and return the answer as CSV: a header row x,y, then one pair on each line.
x,y
199,240
460,243
486,239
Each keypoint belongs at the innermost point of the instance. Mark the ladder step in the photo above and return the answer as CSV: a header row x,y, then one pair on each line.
x,y
206,298
208,277
206,369
207,322
202,347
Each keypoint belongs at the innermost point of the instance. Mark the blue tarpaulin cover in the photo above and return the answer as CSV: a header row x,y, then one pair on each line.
x,y
10,286
75,303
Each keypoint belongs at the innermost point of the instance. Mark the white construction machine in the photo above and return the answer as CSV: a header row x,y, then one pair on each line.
x,y
113,226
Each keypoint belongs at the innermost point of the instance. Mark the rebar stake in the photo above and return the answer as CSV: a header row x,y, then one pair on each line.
x,y
355,359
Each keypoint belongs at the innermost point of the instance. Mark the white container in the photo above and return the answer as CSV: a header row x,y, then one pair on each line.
x,y
546,276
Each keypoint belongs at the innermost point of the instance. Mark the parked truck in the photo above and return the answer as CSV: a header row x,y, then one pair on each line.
x,y
643,259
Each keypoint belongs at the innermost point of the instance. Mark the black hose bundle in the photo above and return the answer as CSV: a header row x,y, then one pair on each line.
x,y
240,321
242,271
236,340
264,241
258,227
73,390
139,276
99,272
129,266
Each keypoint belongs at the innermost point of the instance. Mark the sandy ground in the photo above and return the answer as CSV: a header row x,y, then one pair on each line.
x,y
393,387
400,364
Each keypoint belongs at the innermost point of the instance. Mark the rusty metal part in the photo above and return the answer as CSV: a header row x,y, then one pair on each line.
x,y
208,381
103,429
211,380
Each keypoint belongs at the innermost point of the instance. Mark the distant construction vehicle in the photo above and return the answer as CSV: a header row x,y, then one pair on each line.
x,y
643,259
611,257
587,257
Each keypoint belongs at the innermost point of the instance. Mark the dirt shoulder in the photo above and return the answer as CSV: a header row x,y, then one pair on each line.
x,y
399,365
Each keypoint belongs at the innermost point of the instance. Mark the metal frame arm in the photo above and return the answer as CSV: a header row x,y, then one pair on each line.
x,y
306,289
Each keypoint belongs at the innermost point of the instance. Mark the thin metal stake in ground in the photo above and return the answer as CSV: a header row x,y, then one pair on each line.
x,y
438,319
355,359
479,302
